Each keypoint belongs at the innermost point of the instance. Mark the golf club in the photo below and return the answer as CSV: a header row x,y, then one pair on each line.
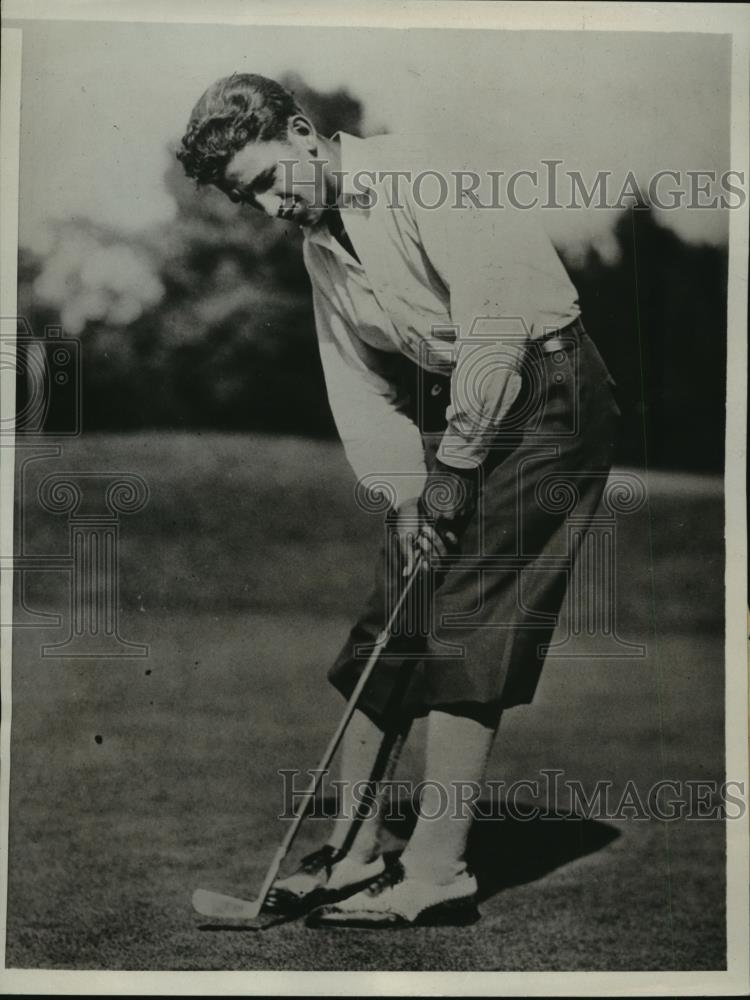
x,y
218,905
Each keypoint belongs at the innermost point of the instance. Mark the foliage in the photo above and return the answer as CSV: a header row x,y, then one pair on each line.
x,y
207,322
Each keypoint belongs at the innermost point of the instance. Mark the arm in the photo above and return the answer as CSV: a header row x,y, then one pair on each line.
x,y
379,438
486,263
504,282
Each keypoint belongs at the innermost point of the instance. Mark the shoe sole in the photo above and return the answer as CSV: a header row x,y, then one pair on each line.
x,y
450,913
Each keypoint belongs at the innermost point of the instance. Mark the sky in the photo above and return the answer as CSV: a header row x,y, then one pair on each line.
x,y
104,104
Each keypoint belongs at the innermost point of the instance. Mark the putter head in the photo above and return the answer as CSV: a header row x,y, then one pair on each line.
x,y
217,906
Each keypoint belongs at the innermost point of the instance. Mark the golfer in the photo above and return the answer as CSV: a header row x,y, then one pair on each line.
x,y
464,389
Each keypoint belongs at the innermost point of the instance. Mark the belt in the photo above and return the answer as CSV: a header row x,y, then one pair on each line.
x,y
559,340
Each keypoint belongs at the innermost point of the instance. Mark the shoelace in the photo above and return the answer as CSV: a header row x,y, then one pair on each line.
x,y
324,858
392,875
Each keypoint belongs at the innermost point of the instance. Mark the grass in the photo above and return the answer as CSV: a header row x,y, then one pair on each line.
x,y
242,575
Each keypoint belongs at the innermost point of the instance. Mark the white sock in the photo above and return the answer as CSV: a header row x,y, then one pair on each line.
x,y
457,752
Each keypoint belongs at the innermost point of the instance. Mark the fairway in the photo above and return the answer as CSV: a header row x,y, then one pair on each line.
x,y
136,780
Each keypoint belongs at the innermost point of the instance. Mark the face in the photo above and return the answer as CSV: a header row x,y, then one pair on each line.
x,y
280,177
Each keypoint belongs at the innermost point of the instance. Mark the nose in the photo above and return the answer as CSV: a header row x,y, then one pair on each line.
x,y
268,203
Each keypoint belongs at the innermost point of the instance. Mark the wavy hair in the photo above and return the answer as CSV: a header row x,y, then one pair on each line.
x,y
234,111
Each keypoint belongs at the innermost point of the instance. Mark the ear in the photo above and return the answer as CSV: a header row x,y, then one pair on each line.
x,y
304,129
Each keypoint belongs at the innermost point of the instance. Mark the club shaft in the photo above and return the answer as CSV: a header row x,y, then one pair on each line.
x,y
335,740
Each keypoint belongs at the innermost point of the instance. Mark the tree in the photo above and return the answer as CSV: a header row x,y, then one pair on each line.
x,y
659,318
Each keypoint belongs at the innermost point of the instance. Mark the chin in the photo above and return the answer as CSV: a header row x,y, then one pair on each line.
x,y
310,216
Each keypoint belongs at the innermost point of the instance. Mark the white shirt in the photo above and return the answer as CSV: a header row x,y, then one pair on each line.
x,y
459,290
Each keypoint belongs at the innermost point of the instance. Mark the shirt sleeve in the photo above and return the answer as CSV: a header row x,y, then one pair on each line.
x,y
492,264
382,443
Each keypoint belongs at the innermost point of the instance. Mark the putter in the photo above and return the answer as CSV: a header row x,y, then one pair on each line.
x,y
219,906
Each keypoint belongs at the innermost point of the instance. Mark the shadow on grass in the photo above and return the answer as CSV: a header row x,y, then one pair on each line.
x,y
506,850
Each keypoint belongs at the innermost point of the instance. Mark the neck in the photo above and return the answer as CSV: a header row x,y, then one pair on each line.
x,y
329,151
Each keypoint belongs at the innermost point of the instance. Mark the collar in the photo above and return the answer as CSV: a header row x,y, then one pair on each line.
x,y
353,164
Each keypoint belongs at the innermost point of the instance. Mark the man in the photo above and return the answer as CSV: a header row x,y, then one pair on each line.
x,y
465,391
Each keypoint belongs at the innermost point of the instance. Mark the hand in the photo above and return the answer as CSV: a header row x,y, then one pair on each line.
x,y
417,538
449,500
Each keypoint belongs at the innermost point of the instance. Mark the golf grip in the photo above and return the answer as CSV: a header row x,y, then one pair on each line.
x,y
309,795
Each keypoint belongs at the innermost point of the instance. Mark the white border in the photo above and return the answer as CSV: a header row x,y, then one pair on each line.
x,y
708,18
553,15
735,493
10,119
489,984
